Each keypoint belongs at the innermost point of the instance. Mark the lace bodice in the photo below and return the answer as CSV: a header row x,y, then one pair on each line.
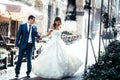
x,y
56,60
55,33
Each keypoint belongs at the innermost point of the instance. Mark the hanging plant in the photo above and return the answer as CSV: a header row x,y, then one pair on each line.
x,y
106,20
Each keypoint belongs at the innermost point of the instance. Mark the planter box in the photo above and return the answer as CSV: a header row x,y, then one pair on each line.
x,y
3,58
3,63
11,57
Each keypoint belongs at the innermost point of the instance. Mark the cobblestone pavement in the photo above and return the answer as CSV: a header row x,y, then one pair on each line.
x,y
8,74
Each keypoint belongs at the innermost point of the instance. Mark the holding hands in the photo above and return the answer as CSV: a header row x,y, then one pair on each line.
x,y
42,35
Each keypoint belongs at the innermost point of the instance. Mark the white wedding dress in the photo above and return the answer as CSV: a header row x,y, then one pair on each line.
x,y
56,61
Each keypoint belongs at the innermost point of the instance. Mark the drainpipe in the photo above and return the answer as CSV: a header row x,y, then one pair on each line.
x,y
49,14
9,33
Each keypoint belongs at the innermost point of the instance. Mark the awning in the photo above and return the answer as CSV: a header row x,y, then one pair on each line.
x,y
26,10
4,19
12,15
19,12
18,16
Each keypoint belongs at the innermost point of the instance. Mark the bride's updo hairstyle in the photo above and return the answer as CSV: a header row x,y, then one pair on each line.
x,y
56,19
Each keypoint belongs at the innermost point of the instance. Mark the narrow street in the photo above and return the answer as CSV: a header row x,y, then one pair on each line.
x,y
79,48
87,27
9,75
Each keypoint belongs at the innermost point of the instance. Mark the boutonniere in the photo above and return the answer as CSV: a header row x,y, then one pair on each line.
x,y
34,26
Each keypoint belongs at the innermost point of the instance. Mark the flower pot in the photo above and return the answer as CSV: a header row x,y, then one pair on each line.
x,y
3,56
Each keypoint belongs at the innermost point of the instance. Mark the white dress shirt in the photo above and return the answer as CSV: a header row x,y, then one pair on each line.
x,y
30,37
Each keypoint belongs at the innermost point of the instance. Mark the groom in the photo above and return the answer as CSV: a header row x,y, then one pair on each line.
x,y
25,40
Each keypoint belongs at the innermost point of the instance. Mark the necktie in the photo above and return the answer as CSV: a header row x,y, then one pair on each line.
x,y
29,29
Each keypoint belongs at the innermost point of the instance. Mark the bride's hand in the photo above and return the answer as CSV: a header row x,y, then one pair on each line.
x,y
42,36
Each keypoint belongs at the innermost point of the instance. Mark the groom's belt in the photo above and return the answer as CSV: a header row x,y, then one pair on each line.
x,y
29,43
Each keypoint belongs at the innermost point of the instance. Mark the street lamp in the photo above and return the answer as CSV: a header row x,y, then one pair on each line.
x,y
101,19
87,7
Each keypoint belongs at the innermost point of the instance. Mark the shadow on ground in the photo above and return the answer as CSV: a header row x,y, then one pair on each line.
x,y
39,78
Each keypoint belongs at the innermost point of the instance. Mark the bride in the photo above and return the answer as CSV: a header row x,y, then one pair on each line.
x,y
55,61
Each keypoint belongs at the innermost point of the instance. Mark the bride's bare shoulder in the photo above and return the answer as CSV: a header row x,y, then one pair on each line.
x,y
51,27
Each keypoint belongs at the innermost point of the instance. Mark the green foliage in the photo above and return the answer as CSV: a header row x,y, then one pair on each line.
x,y
3,51
109,66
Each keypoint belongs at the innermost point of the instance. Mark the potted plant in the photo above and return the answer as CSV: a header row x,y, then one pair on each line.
x,y
3,53
3,58
12,56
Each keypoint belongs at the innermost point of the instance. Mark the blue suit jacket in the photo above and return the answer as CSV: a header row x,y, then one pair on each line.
x,y
23,35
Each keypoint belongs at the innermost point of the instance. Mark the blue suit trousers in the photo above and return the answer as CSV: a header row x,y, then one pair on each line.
x,y
29,52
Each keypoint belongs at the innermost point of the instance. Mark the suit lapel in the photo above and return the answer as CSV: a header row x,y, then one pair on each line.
x,y
26,27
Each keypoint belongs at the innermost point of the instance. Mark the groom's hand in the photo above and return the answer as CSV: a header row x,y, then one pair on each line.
x,y
16,47
41,35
